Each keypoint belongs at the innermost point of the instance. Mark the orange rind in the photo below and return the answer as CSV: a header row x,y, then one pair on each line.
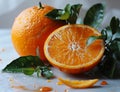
x,y
79,83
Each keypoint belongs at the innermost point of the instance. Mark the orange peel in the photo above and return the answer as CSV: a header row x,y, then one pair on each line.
x,y
79,83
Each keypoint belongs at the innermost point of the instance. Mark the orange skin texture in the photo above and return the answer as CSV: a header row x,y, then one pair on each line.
x,y
30,30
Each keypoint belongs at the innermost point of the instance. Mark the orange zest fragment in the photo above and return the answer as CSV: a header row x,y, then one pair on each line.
x,y
78,83
59,83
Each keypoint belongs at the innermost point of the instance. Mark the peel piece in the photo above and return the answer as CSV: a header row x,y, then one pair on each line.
x,y
79,83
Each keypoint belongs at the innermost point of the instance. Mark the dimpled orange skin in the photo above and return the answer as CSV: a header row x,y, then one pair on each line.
x,y
30,30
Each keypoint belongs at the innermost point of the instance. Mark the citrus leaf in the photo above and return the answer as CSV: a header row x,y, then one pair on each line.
x,y
18,64
111,58
67,8
91,39
69,13
75,9
28,65
94,15
44,71
107,32
114,24
55,14
117,33
111,63
28,71
115,45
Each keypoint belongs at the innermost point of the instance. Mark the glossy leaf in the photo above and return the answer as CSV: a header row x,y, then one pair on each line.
x,y
29,65
115,45
114,24
117,33
94,15
46,72
75,10
69,13
112,50
23,62
91,39
107,32
28,71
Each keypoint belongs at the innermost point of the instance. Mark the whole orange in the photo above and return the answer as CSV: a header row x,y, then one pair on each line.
x,y
31,28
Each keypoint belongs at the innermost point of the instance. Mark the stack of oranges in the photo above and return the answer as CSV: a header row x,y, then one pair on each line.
x,y
63,45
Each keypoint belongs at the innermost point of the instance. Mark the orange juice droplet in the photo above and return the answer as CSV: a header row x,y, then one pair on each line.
x,y
45,89
104,83
20,87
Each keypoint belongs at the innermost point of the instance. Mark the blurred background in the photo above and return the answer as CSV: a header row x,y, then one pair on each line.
x,y
9,9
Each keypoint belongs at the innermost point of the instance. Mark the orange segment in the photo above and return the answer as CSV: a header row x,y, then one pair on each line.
x,y
79,83
66,49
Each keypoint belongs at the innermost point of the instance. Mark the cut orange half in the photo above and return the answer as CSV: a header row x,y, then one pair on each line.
x,y
79,83
66,48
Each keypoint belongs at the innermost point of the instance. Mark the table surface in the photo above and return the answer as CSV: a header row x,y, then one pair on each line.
x,y
10,82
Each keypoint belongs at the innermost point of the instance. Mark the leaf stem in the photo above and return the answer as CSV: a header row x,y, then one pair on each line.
x,y
40,6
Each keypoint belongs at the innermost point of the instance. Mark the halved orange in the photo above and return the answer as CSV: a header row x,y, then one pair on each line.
x,y
66,49
79,83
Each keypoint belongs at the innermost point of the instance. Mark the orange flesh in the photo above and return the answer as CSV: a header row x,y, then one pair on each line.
x,y
73,44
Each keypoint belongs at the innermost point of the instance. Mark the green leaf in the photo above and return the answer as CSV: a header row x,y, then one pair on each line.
x,y
75,9
94,15
111,59
28,71
115,45
117,33
91,39
107,32
69,13
28,65
111,62
17,65
67,8
55,14
44,71
65,16
114,24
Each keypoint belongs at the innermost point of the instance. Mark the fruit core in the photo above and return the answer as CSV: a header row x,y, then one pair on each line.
x,y
74,46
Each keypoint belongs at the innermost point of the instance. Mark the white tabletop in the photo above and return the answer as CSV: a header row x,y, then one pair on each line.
x,y
8,81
